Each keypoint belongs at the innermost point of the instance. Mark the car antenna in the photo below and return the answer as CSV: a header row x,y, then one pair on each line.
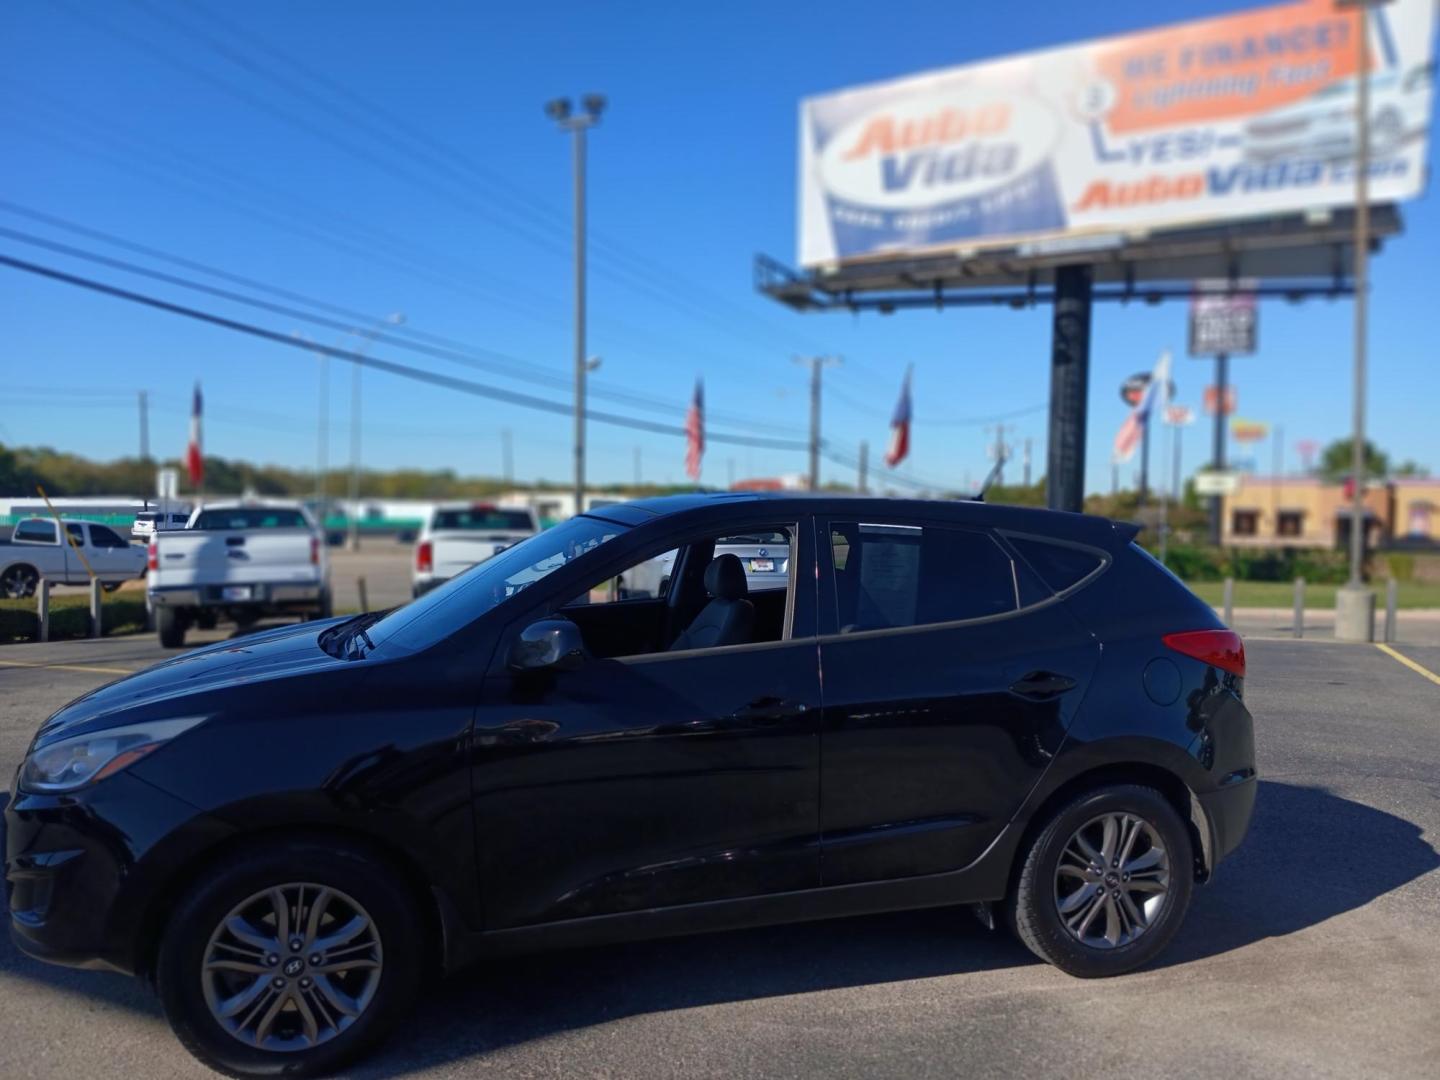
x,y
979,496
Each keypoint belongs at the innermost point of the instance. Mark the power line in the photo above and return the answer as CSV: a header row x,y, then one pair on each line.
x,y
651,278
404,370
500,363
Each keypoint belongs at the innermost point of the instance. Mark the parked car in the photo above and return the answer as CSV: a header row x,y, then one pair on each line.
x,y
37,550
456,536
1021,711
149,522
1323,126
242,560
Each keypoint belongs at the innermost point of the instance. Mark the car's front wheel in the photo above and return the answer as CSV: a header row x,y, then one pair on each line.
x,y
1105,883
292,960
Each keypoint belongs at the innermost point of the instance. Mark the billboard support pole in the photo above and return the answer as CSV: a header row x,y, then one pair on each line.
x,y
1217,455
1355,604
1069,388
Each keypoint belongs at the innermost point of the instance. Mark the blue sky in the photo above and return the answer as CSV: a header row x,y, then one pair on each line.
x,y
441,190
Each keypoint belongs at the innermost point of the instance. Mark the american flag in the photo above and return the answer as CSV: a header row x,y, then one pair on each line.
x,y
695,432
900,425
1156,396
194,453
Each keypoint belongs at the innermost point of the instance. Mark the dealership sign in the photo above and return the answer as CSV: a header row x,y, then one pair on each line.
x,y
1238,116
1222,323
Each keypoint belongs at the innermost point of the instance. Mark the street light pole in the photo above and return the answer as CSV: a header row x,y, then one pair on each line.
x,y
1355,604
577,124
368,335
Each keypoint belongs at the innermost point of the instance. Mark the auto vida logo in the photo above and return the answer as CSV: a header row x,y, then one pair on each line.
x,y
936,149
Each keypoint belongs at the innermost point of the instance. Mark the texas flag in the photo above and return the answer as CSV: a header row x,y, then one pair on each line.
x,y
695,432
900,425
1154,399
194,453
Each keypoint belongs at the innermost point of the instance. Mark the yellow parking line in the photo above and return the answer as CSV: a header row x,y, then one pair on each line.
x,y
69,667
1411,664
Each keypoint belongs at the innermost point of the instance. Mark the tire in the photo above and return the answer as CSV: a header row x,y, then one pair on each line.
x,y
393,945
110,586
19,581
326,609
1146,904
170,628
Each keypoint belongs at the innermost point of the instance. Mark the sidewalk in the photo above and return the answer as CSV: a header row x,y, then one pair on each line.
x,y
1419,626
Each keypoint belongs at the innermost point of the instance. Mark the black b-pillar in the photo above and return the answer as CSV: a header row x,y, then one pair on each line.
x,y
1069,387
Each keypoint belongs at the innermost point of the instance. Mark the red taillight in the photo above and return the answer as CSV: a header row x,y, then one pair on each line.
x,y
1219,648
152,556
314,551
425,557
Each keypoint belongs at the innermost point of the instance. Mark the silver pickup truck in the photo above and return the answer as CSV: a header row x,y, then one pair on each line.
x,y
242,560
36,549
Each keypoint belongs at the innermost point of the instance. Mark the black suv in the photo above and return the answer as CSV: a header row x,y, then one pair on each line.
x,y
608,732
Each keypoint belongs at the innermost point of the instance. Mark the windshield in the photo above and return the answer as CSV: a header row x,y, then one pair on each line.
x,y
250,517
464,598
482,517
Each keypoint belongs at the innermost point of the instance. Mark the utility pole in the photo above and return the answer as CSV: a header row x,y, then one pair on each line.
x,y
1355,604
864,467
144,426
816,365
1027,462
1217,453
998,453
507,458
367,336
577,124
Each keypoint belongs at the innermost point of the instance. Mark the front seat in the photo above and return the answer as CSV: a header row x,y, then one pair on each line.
x,y
729,617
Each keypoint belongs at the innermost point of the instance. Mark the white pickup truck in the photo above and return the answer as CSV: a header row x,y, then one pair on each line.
x,y
36,550
243,560
459,535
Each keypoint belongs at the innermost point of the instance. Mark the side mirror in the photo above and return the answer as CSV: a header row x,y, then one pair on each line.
x,y
548,645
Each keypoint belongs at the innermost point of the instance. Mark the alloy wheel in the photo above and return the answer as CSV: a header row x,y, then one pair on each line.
x,y
1112,880
19,582
292,967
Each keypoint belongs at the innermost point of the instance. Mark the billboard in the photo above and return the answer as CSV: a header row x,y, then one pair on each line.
x,y
1239,116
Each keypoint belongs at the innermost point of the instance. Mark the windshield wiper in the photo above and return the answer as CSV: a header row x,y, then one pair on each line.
x,y
337,639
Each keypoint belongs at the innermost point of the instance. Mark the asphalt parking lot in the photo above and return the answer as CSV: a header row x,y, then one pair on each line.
x,y
1314,953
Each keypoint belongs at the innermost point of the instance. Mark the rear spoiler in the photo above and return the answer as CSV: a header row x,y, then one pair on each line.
x,y
1125,531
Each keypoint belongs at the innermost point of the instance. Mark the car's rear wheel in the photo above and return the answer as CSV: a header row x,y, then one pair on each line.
x,y
170,627
1105,883
291,960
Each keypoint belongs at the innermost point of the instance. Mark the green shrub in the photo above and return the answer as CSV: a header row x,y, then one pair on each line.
x,y
69,617
1402,566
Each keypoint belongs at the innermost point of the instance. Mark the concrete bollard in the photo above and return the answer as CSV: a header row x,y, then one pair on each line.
x,y
1229,601
42,608
1299,607
364,595
97,609
1392,606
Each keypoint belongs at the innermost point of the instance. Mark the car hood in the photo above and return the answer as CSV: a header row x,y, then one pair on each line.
x,y
284,652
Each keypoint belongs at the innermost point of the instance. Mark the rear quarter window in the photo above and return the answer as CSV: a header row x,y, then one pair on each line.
x,y
1060,566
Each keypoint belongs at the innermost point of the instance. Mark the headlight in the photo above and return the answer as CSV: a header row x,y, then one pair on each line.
x,y
72,763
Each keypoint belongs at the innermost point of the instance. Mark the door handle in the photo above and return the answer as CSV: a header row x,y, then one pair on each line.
x,y
1042,685
767,711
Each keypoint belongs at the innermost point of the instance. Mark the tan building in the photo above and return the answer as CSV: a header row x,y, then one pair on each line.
x,y
1306,511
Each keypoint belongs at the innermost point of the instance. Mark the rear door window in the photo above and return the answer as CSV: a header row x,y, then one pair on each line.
x,y
104,536
482,518
892,575
40,532
1059,566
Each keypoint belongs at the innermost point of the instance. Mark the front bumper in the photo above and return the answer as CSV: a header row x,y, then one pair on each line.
x,y
83,872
